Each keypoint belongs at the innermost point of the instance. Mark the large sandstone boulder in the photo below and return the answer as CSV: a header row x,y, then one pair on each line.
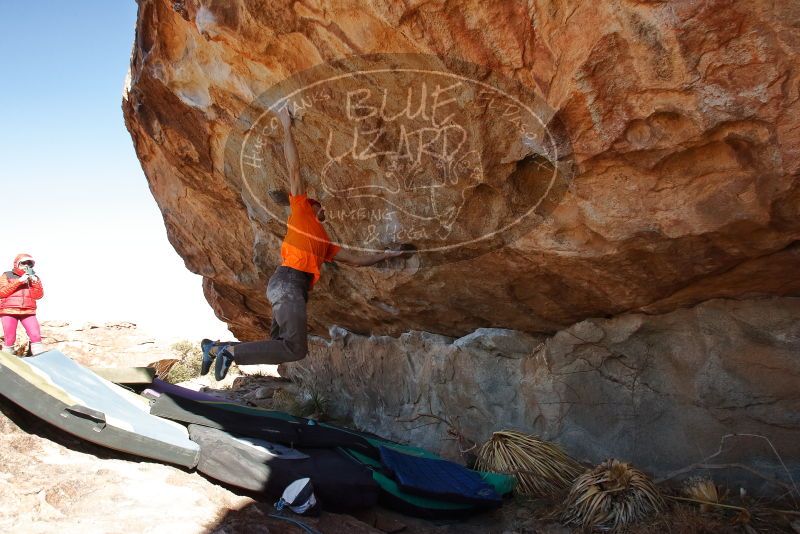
x,y
656,165
716,384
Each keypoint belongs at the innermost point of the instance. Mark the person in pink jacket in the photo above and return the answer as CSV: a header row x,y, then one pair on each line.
x,y
19,291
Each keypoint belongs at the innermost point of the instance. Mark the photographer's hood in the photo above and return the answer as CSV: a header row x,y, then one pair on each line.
x,y
19,259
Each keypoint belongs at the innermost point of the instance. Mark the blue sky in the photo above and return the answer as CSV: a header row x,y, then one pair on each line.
x,y
74,194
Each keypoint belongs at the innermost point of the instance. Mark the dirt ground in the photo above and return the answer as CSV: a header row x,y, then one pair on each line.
x,y
58,483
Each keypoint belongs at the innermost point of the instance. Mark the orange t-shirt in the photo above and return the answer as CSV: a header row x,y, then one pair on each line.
x,y
306,245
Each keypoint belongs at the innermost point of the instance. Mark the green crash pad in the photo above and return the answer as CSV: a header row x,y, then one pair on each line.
x,y
272,426
53,387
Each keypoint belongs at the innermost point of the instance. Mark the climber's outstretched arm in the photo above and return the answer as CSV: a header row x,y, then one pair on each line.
x,y
296,185
363,260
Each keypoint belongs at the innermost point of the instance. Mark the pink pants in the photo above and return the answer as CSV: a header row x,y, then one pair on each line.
x,y
29,322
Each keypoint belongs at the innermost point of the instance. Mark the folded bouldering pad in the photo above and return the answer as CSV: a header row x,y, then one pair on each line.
x,y
438,479
159,386
53,387
340,484
394,497
308,436
268,425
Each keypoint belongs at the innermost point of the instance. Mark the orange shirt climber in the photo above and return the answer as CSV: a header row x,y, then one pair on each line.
x,y
306,245
305,248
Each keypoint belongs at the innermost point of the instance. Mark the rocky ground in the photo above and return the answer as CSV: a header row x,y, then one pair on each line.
x,y
52,482
58,483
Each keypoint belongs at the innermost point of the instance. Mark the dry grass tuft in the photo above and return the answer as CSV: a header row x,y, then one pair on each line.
x,y
541,468
611,496
702,489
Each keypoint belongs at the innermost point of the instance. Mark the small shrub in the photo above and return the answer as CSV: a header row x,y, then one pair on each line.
x,y
316,406
310,404
190,356
185,349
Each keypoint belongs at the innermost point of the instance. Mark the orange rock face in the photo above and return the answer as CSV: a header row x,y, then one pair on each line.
x,y
552,161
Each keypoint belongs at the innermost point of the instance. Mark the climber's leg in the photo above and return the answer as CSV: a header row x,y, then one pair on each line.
x,y
288,292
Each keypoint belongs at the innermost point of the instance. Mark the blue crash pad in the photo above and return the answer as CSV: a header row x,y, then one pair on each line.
x,y
438,478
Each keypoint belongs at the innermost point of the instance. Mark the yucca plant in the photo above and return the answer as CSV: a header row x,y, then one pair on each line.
x,y
315,406
541,468
612,495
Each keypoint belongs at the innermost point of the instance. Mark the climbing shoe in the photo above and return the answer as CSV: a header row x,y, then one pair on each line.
x,y
224,361
206,345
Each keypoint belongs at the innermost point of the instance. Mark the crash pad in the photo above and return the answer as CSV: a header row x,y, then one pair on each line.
x,y
340,484
224,414
69,396
308,435
394,497
160,386
438,478
263,424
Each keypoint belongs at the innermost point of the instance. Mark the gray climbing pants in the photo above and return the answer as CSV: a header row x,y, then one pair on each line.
x,y
287,291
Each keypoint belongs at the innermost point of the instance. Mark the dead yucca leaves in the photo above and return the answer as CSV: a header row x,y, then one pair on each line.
x,y
163,368
702,489
541,468
610,496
